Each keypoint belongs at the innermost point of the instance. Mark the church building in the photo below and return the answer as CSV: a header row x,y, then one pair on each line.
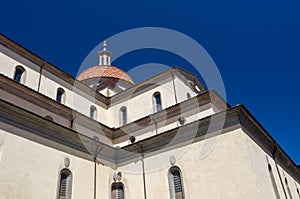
x,y
102,136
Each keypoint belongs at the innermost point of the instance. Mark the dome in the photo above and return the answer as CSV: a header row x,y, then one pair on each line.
x,y
104,71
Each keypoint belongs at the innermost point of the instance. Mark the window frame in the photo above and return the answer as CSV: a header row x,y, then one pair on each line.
x,y
60,95
123,116
172,188
188,95
157,102
20,76
93,112
114,190
69,184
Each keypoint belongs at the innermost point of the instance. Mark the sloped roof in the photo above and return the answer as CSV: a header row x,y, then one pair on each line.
x,y
104,71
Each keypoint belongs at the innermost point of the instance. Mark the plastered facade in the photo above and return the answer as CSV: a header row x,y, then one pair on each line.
x,y
232,163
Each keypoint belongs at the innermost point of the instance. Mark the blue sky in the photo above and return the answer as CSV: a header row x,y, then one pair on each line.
x,y
255,45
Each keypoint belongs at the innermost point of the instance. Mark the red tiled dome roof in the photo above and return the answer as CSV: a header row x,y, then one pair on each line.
x,y
104,71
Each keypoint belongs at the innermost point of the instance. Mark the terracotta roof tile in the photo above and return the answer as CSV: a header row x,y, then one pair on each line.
x,y
104,71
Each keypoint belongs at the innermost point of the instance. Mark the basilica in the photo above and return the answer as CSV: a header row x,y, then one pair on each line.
x,y
103,136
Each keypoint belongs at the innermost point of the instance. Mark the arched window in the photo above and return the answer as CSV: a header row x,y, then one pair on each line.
x,y
65,184
188,95
93,112
20,75
117,190
123,115
60,95
157,101
288,188
175,183
273,182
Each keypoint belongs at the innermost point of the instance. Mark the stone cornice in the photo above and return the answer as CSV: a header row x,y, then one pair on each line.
x,y
152,82
31,96
81,87
17,48
34,127
23,123
40,130
235,118
190,75
173,113
259,134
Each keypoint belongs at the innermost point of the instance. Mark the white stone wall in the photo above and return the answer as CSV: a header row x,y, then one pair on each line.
x,y
164,126
259,166
49,83
182,89
223,173
8,62
31,170
234,168
137,107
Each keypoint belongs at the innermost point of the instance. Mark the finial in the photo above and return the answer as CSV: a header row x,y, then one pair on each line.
x,y
104,45
104,56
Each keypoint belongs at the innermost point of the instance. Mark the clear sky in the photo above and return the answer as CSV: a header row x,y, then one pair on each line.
x,y
255,45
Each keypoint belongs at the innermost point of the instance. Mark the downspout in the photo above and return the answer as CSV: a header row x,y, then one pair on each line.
x,y
144,175
274,158
40,77
97,151
95,177
141,152
174,86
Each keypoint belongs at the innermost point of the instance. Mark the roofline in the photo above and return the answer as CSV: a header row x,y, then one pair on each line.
x,y
128,79
24,52
153,80
56,136
31,96
194,77
281,156
178,109
12,45
17,89
46,65
235,118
